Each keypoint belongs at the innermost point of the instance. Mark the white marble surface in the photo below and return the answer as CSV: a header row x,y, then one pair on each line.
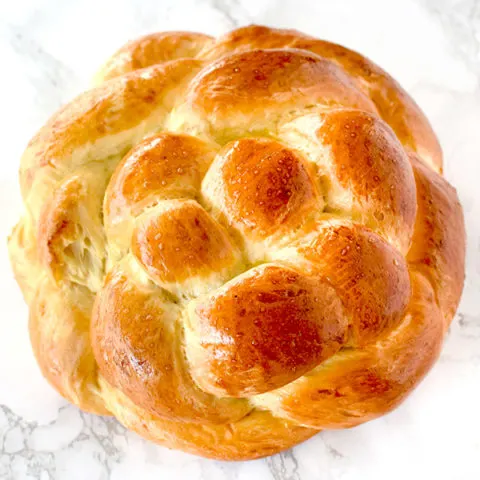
x,y
49,50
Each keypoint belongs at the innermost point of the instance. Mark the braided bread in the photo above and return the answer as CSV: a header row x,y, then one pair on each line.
x,y
233,244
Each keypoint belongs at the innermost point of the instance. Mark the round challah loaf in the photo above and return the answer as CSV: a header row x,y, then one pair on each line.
x,y
231,244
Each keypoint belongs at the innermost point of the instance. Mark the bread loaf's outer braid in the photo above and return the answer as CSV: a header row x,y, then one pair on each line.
x,y
232,244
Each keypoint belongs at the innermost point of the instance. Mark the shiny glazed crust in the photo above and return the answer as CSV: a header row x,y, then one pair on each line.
x,y
231,244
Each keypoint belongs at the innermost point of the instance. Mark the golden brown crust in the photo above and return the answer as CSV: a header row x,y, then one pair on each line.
x,y
129,106
355,386
251,91
151,50
232,244
263,330
370,277
147,363
368,160
361,168
261,187
166,165
256,435
70,242
438,247
179,241
394,105
60,335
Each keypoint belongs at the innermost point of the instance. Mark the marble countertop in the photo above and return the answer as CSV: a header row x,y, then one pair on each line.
x,y
49,51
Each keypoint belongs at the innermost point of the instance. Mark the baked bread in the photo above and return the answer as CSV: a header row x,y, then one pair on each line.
x,y
231,244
